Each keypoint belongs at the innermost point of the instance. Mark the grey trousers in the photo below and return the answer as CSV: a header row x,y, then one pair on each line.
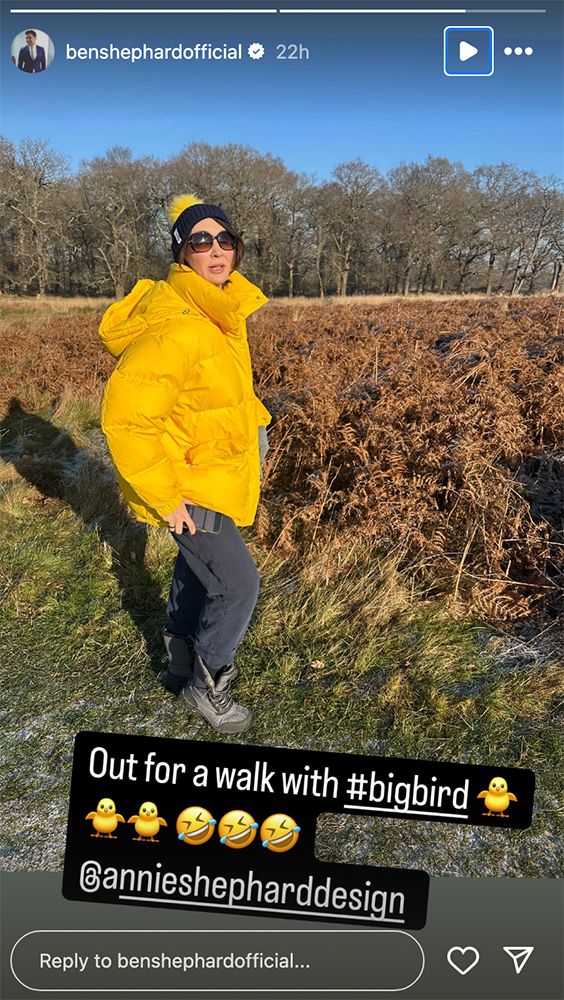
x,y
214,591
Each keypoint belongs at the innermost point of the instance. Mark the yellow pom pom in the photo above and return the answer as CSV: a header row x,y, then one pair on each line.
x,y
178,205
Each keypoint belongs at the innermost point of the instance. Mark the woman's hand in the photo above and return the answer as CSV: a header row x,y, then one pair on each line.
x,y
179,518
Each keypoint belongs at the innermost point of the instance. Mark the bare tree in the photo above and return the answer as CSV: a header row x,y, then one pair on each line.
x,y
538,216
32,175
498,186
427,224
117,216
350,203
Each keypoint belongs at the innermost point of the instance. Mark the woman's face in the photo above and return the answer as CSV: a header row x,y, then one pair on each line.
x,y
214,265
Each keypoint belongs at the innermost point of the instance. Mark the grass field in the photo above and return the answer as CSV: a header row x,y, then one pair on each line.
x,y
389,621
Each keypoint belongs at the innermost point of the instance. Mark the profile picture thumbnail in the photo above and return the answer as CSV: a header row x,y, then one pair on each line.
x,y
32,50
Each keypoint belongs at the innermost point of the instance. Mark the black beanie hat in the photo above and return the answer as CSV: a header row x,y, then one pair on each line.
x,y
184,212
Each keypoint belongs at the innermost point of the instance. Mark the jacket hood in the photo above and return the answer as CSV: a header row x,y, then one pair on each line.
x,y
121,323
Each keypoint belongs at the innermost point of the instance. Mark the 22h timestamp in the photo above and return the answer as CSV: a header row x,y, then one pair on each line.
x,y
294,50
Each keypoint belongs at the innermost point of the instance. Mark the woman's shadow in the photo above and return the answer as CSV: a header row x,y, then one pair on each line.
x,y
47,457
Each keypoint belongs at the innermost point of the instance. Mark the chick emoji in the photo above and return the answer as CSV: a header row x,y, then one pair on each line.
x,y
497,798
148,821
105,819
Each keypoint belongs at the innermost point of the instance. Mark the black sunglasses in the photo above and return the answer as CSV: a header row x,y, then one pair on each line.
x,y
200,242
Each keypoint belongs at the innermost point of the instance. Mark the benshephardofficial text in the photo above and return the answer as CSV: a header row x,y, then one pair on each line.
x,y
201,51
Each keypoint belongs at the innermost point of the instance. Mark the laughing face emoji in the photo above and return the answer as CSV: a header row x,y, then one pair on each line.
x,y
279,833
237,829
195,825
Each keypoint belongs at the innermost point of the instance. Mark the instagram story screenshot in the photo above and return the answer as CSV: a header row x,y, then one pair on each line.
x,y
282,499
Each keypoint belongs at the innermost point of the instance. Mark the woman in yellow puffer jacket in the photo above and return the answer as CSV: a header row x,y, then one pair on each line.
x,y
183,425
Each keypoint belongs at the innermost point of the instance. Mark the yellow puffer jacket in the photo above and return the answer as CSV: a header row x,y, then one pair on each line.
x,y
179,411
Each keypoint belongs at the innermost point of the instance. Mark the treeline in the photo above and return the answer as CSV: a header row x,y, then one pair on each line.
x,y
424,227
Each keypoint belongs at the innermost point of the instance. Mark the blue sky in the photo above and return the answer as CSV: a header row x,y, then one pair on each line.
x,y
373,86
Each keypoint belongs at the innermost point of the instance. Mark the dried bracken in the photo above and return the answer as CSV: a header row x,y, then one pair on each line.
x,y
436,424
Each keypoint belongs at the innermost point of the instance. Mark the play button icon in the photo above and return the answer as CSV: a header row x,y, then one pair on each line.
x,y
468,50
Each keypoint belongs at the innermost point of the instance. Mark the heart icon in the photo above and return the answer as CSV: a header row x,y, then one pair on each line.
x,y
469,957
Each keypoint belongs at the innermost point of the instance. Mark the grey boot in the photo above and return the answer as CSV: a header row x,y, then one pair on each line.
x,y
180,668
211,697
